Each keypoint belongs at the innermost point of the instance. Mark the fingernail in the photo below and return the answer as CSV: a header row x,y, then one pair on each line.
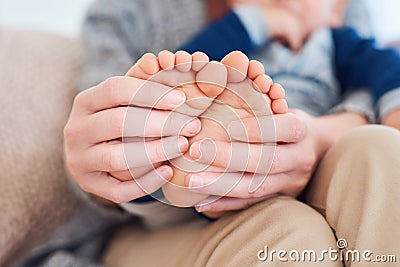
x,y
192,128
176,98
194,151
195,182
183,144
237,130
166,172
203,208
198,208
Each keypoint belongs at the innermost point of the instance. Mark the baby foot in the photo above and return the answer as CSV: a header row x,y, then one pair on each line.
x,y
248,93
180,71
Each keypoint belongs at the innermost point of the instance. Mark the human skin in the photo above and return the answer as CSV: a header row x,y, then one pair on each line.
x,y
85,123
239,87
93,134
303,141
392,119
291,22
92,152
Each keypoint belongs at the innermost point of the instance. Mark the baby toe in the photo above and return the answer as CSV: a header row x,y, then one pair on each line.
x,y
166,60
256,68
183,61
276,91
212,79
237,64
279,106
200,60
262,83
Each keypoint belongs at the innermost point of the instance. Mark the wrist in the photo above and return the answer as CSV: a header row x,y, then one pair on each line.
x,y
331,127
392,119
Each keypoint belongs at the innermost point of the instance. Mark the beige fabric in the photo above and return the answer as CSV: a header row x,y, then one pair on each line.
x,y
234,240
357,184
37,78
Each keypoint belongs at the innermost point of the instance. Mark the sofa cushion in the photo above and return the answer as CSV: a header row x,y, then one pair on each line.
x,y
37,78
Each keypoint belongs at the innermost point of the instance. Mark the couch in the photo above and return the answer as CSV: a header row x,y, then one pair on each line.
x,y
38,74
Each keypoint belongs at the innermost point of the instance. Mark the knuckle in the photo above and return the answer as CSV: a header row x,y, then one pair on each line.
x,y
113,160
72,165
159,153
68,132
301,183
85,187
117,120
71,134
116,196
308,163
296,186
78,100
297,129
112,89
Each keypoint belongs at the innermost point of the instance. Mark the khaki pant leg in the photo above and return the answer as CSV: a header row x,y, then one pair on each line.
x,y
233,240
357,188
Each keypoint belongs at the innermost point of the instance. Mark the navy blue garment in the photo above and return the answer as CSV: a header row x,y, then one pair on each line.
x,y
220,38
358,62
361,63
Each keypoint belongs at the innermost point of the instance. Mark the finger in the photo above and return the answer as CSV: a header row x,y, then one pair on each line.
x,y
107,187
235,156
244,157
228,203
238,185
138,122
288,128
117,91
124,156
135,173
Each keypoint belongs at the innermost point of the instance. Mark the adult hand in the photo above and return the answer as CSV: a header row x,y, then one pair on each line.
x,y
118,108
392,119
302,142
